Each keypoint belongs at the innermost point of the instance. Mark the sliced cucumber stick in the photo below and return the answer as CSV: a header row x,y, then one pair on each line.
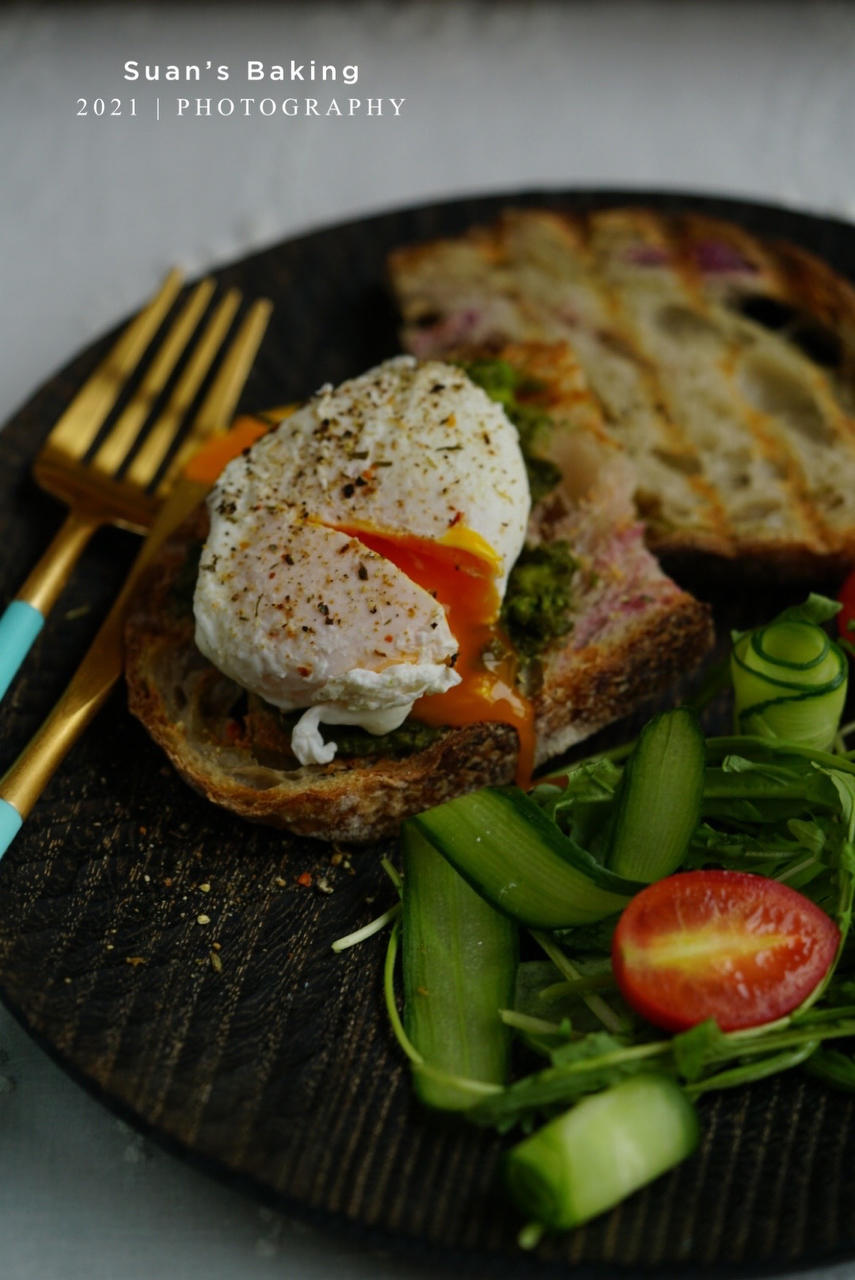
x,y
607,1146
460,962
519,860
659,798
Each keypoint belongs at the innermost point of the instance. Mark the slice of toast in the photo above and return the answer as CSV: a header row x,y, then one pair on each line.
x,y
724,366
630,632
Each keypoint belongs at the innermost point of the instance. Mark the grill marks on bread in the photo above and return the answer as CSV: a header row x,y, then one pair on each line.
x,y
750,479
723,366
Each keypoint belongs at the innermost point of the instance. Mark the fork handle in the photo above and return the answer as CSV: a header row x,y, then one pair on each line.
x,y
24,781
89,687
24,617
10,824
19,626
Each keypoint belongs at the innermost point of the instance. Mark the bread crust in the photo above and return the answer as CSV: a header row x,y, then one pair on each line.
x,y
170,691
636,633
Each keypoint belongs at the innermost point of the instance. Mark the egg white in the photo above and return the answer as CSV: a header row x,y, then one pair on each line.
x,y
291,605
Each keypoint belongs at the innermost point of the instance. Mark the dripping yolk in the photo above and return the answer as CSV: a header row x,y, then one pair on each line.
x,y
459,573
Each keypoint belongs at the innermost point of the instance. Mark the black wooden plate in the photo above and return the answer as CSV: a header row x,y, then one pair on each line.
x,y
277,1066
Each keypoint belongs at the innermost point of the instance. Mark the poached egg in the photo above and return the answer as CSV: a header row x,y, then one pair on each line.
x,y
358,554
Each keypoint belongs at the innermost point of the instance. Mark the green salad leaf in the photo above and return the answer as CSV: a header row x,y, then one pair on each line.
x,y
775,801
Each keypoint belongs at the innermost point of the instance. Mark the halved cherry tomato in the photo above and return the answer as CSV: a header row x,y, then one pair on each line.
x,y
720,944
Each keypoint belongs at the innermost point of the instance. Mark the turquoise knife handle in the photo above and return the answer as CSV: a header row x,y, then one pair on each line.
x,y
10,825
19,626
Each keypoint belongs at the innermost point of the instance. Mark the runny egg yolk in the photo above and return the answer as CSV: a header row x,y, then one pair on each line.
x,y
206,464
459,571
461,577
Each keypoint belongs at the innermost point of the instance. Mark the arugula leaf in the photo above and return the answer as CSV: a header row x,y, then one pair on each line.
x,y
582,807
600,1060
535,978
844,785
833,1067
588,939
809,835
596,1045
694,1049
559,1085
770,1065
840,991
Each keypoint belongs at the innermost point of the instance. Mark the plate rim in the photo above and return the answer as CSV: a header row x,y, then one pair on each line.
x,y
413,1248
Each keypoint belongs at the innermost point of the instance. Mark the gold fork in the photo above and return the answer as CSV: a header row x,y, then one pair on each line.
x,y
24,782
95,483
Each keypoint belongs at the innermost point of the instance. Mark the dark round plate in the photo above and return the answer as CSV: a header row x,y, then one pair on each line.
x,y
274,1062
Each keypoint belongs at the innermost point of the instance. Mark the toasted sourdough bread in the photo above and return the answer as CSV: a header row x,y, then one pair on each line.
x,y
633,632
724,366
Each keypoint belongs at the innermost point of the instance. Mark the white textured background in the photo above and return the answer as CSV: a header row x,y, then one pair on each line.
x,y
752,99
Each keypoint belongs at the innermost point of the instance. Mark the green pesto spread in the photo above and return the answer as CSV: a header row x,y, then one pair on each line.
x,y
407,739
505,384
538,604
353,742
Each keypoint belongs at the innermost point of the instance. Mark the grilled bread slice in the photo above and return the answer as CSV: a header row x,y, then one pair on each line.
x,y
628,631
724,366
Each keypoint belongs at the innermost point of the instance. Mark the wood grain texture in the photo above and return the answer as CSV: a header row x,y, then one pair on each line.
x,y
245,1040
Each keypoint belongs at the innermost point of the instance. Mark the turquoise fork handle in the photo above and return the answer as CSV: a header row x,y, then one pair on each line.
x,y
10,825
19,626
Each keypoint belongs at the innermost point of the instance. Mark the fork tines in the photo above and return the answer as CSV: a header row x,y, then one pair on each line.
x,y
123,429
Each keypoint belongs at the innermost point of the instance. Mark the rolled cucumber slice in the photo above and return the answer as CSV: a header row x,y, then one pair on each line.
x,y
607,1146
659,798
460,964
515,857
